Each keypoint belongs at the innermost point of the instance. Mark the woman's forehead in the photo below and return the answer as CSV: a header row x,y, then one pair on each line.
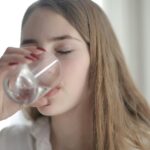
x,y
49,23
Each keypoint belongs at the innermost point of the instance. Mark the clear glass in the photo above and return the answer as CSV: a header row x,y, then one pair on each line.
x,y
29,82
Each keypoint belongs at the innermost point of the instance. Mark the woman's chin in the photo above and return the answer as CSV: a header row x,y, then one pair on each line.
x,y
45,110
51,110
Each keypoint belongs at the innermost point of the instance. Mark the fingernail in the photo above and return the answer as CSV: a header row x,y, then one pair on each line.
x,y
30,58
13,63
42,49
34,55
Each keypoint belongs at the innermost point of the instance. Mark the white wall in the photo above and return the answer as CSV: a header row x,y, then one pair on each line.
x,y
146,47
130,19
11,13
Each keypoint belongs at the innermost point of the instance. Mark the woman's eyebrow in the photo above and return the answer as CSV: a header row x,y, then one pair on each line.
x,y
53,39
63,37
28,41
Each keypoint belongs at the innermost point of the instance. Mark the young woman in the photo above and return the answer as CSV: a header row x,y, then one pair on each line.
x,y
96,106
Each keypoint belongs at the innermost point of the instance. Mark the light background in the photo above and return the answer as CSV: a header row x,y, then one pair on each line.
x,y
129,18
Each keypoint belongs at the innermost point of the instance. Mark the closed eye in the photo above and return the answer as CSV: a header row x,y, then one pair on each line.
x,y
64,51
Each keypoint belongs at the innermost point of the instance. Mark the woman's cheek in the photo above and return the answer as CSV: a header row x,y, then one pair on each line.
x,y
74,73
74,70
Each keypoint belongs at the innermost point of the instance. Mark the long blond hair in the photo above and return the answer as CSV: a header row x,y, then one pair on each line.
x,y
121,114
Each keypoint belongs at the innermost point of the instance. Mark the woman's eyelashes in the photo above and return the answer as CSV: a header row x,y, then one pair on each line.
x,y
64,51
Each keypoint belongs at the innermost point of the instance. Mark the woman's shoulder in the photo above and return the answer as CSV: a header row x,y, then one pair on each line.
x,y
23,130
15,130
26,137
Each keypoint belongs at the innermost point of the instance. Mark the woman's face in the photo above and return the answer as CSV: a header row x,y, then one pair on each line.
x,y
52,32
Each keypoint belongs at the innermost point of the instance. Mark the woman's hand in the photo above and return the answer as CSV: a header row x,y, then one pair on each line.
x,y
10,60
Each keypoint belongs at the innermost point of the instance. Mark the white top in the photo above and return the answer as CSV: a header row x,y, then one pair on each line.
x,y
35,137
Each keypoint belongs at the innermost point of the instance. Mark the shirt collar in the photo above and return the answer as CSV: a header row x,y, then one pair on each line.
x,y
41,132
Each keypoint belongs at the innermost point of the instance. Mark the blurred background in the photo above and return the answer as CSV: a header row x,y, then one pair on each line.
x,y
130,21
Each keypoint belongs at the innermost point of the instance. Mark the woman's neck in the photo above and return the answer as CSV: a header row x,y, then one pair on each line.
x,y
73,130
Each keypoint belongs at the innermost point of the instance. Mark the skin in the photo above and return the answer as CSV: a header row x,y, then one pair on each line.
x,y
69,108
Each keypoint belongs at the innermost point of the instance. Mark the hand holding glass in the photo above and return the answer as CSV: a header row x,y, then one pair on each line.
x,y
31,81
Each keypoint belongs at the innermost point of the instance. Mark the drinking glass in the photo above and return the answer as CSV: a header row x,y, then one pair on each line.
x,y
28,82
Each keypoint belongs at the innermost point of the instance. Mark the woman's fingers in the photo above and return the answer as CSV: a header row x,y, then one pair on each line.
x,y
20,51
25,50
34,49
14,58
14,55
